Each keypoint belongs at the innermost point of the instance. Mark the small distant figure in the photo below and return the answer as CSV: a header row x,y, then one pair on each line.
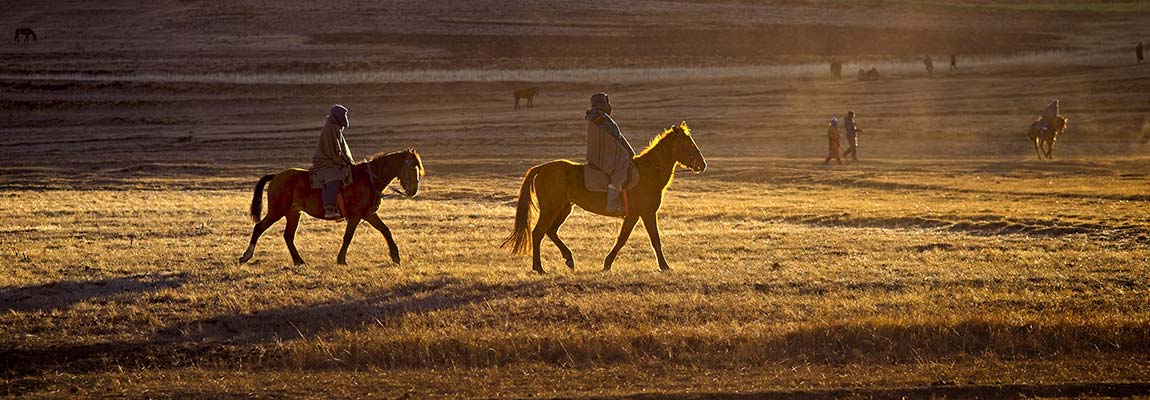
x,y
26,33
853,132
528,94
836,69
953,62
1048,115
1138,51
929,63
833,142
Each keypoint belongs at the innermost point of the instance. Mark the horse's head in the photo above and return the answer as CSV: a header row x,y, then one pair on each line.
x,y
411,172
686,152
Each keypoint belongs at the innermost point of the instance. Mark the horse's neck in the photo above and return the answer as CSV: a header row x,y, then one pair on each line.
x,y
384,169
657,163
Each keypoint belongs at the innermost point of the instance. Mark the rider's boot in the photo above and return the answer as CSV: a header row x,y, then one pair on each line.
x,y
613,205
329,195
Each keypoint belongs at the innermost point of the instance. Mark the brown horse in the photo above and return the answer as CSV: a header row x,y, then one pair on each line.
x,y
559,184
528,94
290,192
1044,141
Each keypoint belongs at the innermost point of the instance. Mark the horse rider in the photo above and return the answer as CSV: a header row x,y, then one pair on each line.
x,y
607,149
332,161
1048,115
852,136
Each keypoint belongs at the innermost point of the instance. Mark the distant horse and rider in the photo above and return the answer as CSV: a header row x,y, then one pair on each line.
x,y
1045,129
26,33
529,94
559,184
1044,139
290,192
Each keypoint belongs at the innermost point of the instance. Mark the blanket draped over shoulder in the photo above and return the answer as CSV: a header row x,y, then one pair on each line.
x,y
332,160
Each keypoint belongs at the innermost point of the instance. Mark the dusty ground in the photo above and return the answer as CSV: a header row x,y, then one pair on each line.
x,y
949,261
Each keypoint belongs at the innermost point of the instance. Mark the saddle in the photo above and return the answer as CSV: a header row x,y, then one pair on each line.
x,y
596,180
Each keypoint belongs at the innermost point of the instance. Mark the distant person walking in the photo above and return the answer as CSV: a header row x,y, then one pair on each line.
x,y
953,63
852,136
331,164
929,63
833,142
1138,51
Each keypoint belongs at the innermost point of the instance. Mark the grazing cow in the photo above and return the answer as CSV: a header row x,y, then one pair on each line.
x,y
871,75
528,94
26,33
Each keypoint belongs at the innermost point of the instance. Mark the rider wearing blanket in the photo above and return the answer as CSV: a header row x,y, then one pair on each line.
x,y
1049,114
331,164
607,149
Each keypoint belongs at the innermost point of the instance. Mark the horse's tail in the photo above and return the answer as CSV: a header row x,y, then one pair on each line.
x,y
258,197
517,241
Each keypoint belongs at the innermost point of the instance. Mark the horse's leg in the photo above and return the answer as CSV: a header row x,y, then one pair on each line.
x,y
378,224
258,229
553,233
1037,148
289,236
651,222
547,214
516,103
348,233
624,232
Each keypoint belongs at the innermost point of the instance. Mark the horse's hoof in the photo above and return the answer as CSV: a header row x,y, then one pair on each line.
x,y
571,264
539,271
298,263
395,259
664,269
244,258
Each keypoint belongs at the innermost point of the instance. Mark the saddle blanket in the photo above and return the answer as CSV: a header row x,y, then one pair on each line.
x,y
596,180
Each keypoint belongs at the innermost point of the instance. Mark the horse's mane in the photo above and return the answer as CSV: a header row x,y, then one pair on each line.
x,y
418,160
654,142
388,153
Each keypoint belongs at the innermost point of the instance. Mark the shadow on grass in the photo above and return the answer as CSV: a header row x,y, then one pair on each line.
x,y
62,295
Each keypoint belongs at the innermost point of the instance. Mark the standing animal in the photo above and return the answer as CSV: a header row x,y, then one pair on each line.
x,y
26,33
559,184
528,94
1044,139
290,192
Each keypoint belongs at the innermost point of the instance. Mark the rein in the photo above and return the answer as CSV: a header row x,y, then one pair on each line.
x,y
371,175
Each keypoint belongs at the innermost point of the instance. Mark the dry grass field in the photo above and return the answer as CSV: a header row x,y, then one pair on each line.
x,y
948,262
